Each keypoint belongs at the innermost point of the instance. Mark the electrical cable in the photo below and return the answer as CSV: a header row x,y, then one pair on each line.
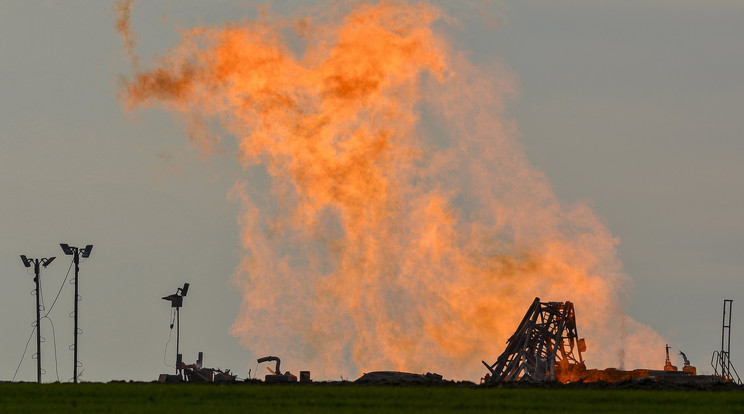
x,y
46,315
78,298
41,293
60,289
82,369
170,334
24,352
54,339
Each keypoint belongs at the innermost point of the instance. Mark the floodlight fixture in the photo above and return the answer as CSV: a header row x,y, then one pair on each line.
x,y
48,261
66,248
25,261
176,300
185,289
87,250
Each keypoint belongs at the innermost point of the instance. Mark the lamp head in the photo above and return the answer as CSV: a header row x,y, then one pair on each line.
x,y
66,248
48,261
175,300
87,250
25,260
185,289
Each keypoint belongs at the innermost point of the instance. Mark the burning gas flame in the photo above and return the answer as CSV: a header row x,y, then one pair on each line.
x,y
404,227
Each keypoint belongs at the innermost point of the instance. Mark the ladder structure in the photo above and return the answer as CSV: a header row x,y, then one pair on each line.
x,y
546,338
721,360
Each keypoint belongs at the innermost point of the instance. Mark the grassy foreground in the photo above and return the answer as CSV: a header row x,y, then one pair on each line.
x,y
319,398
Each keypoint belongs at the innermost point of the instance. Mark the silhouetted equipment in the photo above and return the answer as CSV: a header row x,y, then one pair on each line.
x,y
687,367
37,280
269,358
277,375
721,360
668,363
684,358
400,378
76,253
70,250
545,340
176,301
196,372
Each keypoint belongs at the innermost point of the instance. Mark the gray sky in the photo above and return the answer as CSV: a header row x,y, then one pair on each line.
x,y
633,106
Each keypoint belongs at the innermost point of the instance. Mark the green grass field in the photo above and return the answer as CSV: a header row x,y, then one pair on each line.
x,y
319,398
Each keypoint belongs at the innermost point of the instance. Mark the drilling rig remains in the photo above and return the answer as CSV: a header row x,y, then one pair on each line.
x,y
546,347
545,340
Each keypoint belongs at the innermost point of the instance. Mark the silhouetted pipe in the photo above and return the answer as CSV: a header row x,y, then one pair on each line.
x,y
272,358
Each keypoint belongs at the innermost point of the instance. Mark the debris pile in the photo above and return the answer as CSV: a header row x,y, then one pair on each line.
x,y
546,341
400,378
546,347
276,375
196,372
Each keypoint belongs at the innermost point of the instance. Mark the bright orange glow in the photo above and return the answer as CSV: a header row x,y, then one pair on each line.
x,y
404,228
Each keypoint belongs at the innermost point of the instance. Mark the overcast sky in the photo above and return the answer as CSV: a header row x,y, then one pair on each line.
x,y
632,106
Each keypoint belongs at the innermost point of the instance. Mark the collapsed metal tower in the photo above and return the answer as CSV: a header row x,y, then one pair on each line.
x,y
545,339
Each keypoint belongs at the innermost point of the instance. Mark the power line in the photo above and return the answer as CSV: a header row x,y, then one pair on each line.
x,y
24,352
172,317
54,339
60,289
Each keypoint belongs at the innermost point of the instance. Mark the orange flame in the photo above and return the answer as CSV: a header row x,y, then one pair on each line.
x,y
404,228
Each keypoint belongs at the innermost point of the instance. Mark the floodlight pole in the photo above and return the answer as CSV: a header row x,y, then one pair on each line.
x,y
75,253
76,259
37,274
176,301
178,338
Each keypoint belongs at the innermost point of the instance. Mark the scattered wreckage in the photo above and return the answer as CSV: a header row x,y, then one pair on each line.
x,y
545,347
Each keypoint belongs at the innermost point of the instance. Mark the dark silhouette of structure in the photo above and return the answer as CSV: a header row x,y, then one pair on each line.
x,y
37,280
545,340
721,360
176,301
76,253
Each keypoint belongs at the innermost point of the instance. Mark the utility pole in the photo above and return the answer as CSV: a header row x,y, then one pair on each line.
x,y
176,301
76,253
37,274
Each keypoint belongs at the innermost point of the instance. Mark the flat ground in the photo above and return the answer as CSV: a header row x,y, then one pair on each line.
x,y
341,398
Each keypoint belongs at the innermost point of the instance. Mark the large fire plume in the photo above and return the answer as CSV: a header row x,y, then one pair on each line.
x,y
403,227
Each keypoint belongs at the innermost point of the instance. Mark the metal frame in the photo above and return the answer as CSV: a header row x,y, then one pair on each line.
x,y
721,360
546,336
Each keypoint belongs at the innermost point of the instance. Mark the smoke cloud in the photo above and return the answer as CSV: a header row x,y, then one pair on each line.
x,y
389,218
124,27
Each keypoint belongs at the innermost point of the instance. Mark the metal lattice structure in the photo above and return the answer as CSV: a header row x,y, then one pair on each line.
x,y
721,361
545,338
